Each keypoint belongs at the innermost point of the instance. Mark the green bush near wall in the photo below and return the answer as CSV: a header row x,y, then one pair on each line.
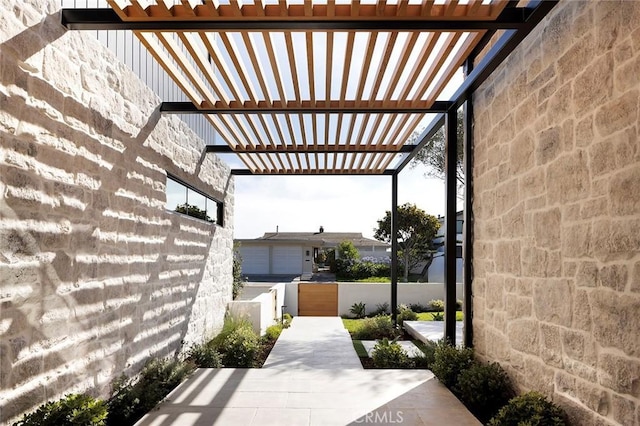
x,y
72,410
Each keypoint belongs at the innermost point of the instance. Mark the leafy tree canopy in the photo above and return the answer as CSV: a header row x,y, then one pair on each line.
x,y
432,154
416,231
348,251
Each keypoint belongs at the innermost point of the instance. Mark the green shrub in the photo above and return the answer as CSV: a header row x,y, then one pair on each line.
x,y
484,389
286,320
273,332
389,354
358,310
130,399
418,307
459,304
240,347
73,409
231,323
405,314
436,305
375,328
381,309
438,316
529,409
205,356
428,354
449,361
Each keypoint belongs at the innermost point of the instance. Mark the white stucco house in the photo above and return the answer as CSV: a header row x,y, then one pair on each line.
x,y
292,253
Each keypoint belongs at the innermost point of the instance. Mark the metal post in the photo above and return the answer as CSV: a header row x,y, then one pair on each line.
x,y
394,249
467,242
451,148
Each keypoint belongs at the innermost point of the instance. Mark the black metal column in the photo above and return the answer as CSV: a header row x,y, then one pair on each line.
x,y
467,241
451,198
394,248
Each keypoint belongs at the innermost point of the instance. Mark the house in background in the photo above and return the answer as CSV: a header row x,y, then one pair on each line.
x,y
293,253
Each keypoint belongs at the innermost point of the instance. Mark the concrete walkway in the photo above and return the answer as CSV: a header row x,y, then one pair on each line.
x,y
312,377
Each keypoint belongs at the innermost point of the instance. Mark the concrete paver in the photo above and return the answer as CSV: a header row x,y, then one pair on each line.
x,y
431,330
310,378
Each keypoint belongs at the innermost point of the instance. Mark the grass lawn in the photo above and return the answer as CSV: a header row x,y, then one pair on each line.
x,y
353,324
428,316
360,350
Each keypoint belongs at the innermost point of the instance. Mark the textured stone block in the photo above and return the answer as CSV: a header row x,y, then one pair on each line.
x,y
623,409
551,345
619,374
612,316
570,176
538,375
594,85
614,277
534,262
551,300
618,114
618,239
625,197
523,336
577,240
547,229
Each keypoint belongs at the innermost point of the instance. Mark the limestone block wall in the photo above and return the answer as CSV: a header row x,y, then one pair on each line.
x,y
95,275
557,212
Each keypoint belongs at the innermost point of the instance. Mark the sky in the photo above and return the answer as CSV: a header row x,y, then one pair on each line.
x,y
338,203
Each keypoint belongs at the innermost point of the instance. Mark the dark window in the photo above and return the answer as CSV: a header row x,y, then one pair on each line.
x,y
185,199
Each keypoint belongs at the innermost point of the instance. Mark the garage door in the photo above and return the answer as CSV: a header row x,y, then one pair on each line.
x,y
287,260
255,260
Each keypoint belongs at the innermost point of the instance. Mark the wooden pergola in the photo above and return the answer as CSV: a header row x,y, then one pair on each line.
x,y
324,87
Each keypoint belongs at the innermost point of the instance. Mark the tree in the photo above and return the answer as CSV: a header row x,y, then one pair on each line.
x,y
348,251
416,231
432,154
238,283
347,257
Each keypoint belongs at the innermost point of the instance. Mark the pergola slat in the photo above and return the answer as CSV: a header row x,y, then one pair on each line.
x,y
252,69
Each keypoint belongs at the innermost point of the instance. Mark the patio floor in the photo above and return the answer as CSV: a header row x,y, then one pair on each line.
x,y
312,377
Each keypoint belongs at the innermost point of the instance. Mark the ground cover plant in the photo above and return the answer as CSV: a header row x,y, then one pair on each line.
x,y
73,409
485,389
529,409
132,397
379,327
389,354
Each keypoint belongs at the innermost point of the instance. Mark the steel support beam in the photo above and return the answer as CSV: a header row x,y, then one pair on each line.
x,y
107,19
247,172
310,149
190,108
467,241
451,198
394,249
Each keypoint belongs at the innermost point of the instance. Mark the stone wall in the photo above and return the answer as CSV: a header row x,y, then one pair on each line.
x,y
95,275
557,212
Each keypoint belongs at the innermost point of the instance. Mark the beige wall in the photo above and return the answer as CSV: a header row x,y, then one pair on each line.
x,y
557,212
95,275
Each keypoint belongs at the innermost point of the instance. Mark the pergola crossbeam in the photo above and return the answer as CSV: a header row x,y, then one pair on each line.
x,y
108,19
308,107
294,149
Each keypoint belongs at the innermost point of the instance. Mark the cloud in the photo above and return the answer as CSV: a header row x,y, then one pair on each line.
x,y
339,203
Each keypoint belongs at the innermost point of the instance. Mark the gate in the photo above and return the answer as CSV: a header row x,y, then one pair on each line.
x,y
318,300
